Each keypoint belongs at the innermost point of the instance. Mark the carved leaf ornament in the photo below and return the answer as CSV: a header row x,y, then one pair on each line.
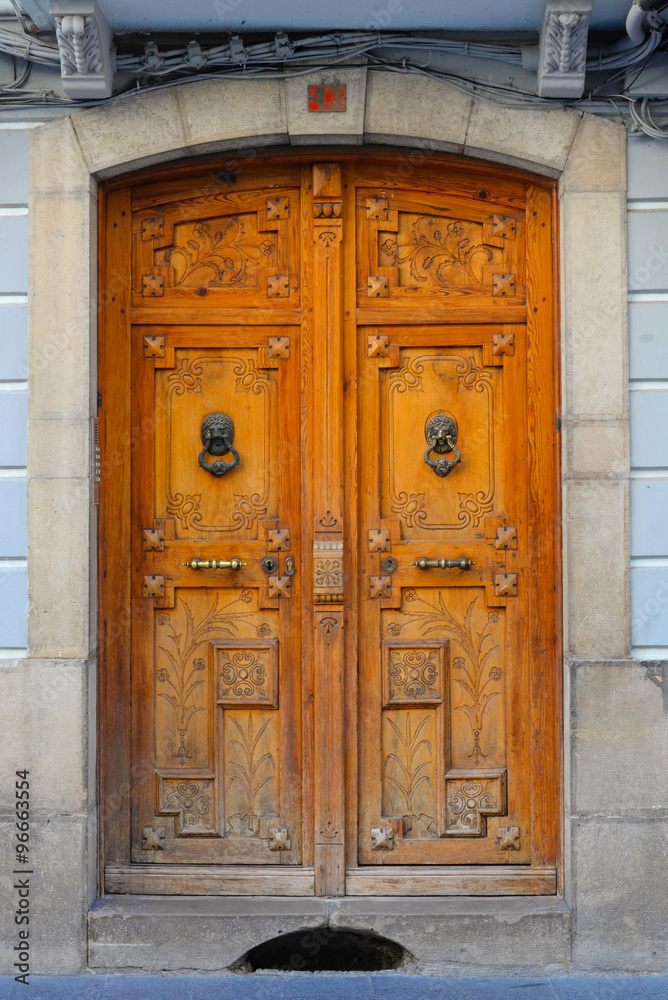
x,y
224,254
440,250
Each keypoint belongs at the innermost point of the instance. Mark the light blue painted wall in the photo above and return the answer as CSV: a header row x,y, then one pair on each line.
x,y
13,388
648,368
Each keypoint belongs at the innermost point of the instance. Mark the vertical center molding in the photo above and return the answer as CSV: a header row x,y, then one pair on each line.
x,y
328,581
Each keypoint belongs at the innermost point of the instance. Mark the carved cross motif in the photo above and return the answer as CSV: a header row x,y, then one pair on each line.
x,y
377,287
379,540
508,838
382,838
154,347
506,538
376,208
152,286
278,347
153,539
503,284
277,208
377,345
503,343
279,586
153,227
278,286
504,225
154,586
278,539
505,584
380,586
153,838
280,840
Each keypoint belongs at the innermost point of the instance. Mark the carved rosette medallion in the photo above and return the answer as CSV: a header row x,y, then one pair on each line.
x,y
246,672
328,572
191,801
470,799
413,672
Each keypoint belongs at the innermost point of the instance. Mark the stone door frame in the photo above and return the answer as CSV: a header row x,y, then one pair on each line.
x,y
420,116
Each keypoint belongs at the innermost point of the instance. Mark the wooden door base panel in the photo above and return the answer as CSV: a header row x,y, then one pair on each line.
x,y
207,880
462,880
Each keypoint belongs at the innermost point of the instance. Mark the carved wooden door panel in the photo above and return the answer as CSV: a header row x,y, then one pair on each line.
x,y
447,534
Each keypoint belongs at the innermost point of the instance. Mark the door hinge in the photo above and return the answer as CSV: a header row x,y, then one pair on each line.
x,y
95,459
558,425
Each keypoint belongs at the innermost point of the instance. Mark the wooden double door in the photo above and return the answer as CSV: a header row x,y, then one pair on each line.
x,y
328,542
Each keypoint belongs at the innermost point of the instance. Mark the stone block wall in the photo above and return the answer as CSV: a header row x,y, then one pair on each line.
x,y
614,912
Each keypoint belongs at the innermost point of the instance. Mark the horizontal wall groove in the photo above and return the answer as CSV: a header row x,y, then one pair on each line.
x,y
648,296
647,204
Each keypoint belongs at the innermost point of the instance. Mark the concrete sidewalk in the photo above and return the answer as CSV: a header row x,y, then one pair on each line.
x,y
334,986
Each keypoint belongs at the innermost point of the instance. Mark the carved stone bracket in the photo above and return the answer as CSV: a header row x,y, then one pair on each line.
x,y
508,838
153,838
279,840
382,838
563,48
85,43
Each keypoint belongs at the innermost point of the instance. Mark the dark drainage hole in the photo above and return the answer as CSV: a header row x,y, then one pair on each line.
x,y
325,950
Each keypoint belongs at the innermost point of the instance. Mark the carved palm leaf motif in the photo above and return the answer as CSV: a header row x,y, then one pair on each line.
x,y
187,672
472,666
249,769
224,254
441,247
405,769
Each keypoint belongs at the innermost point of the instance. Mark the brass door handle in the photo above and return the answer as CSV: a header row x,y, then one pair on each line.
x,y
214,564
462,563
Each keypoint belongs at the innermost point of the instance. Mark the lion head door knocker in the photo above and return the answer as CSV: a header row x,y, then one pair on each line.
x,y
217,438
441,435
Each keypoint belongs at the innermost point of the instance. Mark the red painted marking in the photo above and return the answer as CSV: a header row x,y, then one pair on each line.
x,y
326,98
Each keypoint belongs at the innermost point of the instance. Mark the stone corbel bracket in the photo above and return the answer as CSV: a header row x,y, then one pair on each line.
x,y
563,48
86,50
